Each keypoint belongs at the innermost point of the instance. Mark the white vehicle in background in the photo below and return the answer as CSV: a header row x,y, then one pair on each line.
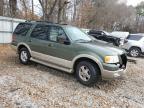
x,y
120,34
85,30
134,44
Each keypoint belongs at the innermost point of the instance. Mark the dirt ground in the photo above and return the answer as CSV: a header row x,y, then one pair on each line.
x,y
37,86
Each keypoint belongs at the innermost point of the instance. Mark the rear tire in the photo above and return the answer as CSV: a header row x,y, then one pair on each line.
x,y
134,52
87,73
24,56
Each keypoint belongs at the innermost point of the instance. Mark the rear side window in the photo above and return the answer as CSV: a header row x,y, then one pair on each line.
x,y
134,37
22,29
40,32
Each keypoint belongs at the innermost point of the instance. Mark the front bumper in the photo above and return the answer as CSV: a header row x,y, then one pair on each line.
x,y
113,74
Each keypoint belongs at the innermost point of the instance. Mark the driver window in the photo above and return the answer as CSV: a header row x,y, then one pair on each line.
x,y
55,32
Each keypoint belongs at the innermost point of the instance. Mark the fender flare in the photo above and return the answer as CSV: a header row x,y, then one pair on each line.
x,y
24,44
93,58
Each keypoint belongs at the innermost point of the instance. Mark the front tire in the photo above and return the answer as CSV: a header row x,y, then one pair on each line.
x,y
24,56
134,52
87,73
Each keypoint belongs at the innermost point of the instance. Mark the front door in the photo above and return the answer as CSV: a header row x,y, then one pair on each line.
x,y
61,53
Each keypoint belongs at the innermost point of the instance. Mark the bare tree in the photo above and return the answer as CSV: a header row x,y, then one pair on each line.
x,y
61,9
13,7
104,14
48,7
25,7
97,14
140,17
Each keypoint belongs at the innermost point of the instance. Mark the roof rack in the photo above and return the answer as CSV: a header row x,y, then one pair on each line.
x,y
63,24
38,21
46,22
28,21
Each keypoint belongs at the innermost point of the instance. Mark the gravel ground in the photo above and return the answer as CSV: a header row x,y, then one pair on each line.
x,y
37,86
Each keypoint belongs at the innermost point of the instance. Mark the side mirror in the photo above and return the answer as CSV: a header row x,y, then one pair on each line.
x,y
63,40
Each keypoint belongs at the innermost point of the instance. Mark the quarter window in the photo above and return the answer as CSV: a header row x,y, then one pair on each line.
x,y
22,29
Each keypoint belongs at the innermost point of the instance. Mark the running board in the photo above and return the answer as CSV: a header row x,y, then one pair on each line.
x,y
52,65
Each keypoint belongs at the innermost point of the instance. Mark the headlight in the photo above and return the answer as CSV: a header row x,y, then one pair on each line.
x,y
111,59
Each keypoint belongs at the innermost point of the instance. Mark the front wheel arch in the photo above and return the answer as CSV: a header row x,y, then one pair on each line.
x,y
85,59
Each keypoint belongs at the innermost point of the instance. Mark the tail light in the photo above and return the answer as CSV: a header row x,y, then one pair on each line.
x,y
13,38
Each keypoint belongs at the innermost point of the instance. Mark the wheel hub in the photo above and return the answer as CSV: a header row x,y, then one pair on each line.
x,y
84,73
134,53
24,56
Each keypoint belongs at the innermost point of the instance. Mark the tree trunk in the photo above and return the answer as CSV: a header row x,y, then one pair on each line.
x,y
1,7
51,10
25,8
13,7
32,10
43,8
74,13
59,11
61,6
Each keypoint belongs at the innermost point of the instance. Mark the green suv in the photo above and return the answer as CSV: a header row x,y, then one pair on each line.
x,y
67,48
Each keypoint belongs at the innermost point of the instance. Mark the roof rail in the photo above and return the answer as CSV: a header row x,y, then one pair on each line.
x,y
46,22
28,21
63,24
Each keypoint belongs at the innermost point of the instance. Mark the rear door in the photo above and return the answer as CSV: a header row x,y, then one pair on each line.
x,y
38,41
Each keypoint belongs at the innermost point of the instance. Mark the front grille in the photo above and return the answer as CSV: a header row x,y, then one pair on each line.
x,y
123,61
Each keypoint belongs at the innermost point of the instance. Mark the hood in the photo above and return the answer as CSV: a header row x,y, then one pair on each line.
x,y
102,48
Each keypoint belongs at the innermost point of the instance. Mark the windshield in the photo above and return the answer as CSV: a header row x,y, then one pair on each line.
x,y
77,35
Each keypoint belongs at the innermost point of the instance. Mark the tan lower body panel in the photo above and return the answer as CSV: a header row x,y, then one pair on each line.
x,y
52,61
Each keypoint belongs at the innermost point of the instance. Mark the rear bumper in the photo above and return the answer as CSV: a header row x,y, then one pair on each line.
x,y
113,74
